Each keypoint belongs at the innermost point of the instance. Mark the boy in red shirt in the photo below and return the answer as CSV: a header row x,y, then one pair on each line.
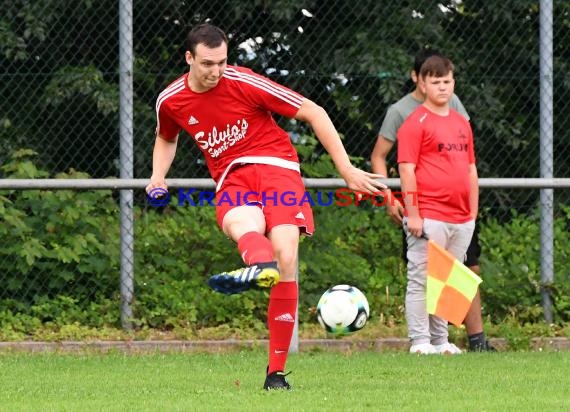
x,y
227,110
435,159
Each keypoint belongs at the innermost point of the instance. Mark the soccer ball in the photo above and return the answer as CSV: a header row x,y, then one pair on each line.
x,y
343,309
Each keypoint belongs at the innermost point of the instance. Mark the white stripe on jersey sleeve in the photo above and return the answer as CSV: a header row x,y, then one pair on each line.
x,y
266,83
171,90
271,88
175,84
260,82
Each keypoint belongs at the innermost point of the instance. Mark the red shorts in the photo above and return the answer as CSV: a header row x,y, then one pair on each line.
x,y
277,191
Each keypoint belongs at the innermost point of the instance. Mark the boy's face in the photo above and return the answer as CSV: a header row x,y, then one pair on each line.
x,y
438,90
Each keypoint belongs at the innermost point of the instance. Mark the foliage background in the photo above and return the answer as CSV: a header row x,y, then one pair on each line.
x,y
60,266
59,83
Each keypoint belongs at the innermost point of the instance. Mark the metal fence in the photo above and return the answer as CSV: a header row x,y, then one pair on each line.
x,y
61,69
126,185
79,81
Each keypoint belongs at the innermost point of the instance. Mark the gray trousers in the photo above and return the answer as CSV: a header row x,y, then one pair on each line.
x,y
455,237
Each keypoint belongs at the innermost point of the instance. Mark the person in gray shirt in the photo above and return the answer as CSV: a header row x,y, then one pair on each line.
x,y
395,116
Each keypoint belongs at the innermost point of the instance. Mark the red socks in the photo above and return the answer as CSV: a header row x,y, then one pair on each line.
x,y
281,321
255,248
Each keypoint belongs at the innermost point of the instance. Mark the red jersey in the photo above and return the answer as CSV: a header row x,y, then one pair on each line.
x,y
441,147
231,123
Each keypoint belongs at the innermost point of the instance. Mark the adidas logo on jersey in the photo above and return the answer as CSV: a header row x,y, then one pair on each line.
x,y
285,317
192,120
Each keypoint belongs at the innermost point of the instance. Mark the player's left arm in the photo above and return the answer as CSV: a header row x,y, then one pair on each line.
x,y
279,99
324,129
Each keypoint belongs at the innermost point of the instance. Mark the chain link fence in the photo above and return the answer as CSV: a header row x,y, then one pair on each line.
x,y
60,74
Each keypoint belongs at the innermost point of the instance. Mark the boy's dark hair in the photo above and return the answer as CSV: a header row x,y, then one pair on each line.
x,y
437,66
422,56
208,34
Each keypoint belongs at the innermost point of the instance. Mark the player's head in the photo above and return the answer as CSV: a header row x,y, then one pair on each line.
x,y
206,34
436,66
436,79
207,56
421,56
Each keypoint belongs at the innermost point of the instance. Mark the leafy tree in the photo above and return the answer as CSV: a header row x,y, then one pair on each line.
x,y
60,82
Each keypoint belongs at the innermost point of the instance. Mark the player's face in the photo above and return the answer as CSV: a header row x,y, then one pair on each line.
x,y
206,66
438,90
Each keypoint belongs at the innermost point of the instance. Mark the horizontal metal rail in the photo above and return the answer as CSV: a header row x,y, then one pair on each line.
x,y
115,184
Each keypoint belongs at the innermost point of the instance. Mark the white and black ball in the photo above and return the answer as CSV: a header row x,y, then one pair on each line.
x,y
343,309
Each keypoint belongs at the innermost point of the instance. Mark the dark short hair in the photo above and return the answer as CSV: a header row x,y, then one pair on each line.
x,y
207,34
421,56
437,66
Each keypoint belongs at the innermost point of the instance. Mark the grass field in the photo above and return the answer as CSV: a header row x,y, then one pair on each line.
x,y
322,381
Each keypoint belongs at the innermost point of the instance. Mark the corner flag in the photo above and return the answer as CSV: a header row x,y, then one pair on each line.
x,y
451,286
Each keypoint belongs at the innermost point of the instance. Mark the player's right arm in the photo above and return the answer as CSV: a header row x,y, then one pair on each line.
x,y
378,159
164,146
379,154
162,158
385,142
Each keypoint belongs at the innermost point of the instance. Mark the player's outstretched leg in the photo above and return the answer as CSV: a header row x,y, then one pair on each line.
x,y
257,276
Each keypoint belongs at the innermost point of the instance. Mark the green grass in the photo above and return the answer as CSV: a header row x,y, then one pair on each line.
x,y
323,381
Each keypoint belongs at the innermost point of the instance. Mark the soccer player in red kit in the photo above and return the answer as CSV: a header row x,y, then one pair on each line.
x,y
228,112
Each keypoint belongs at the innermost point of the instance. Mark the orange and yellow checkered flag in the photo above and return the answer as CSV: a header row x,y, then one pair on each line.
x,y
451,286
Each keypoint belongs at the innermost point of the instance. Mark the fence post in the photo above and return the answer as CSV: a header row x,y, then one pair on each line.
x,y
126,158
546,157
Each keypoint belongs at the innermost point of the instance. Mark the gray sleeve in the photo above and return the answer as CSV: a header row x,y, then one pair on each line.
x,y
392,122
456,105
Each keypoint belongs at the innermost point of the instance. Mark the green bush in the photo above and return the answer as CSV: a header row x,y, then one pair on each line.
x,y
511,270
59,246
176,250
60,263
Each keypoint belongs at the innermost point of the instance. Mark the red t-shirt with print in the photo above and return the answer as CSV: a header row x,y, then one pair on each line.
x,y
441,147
